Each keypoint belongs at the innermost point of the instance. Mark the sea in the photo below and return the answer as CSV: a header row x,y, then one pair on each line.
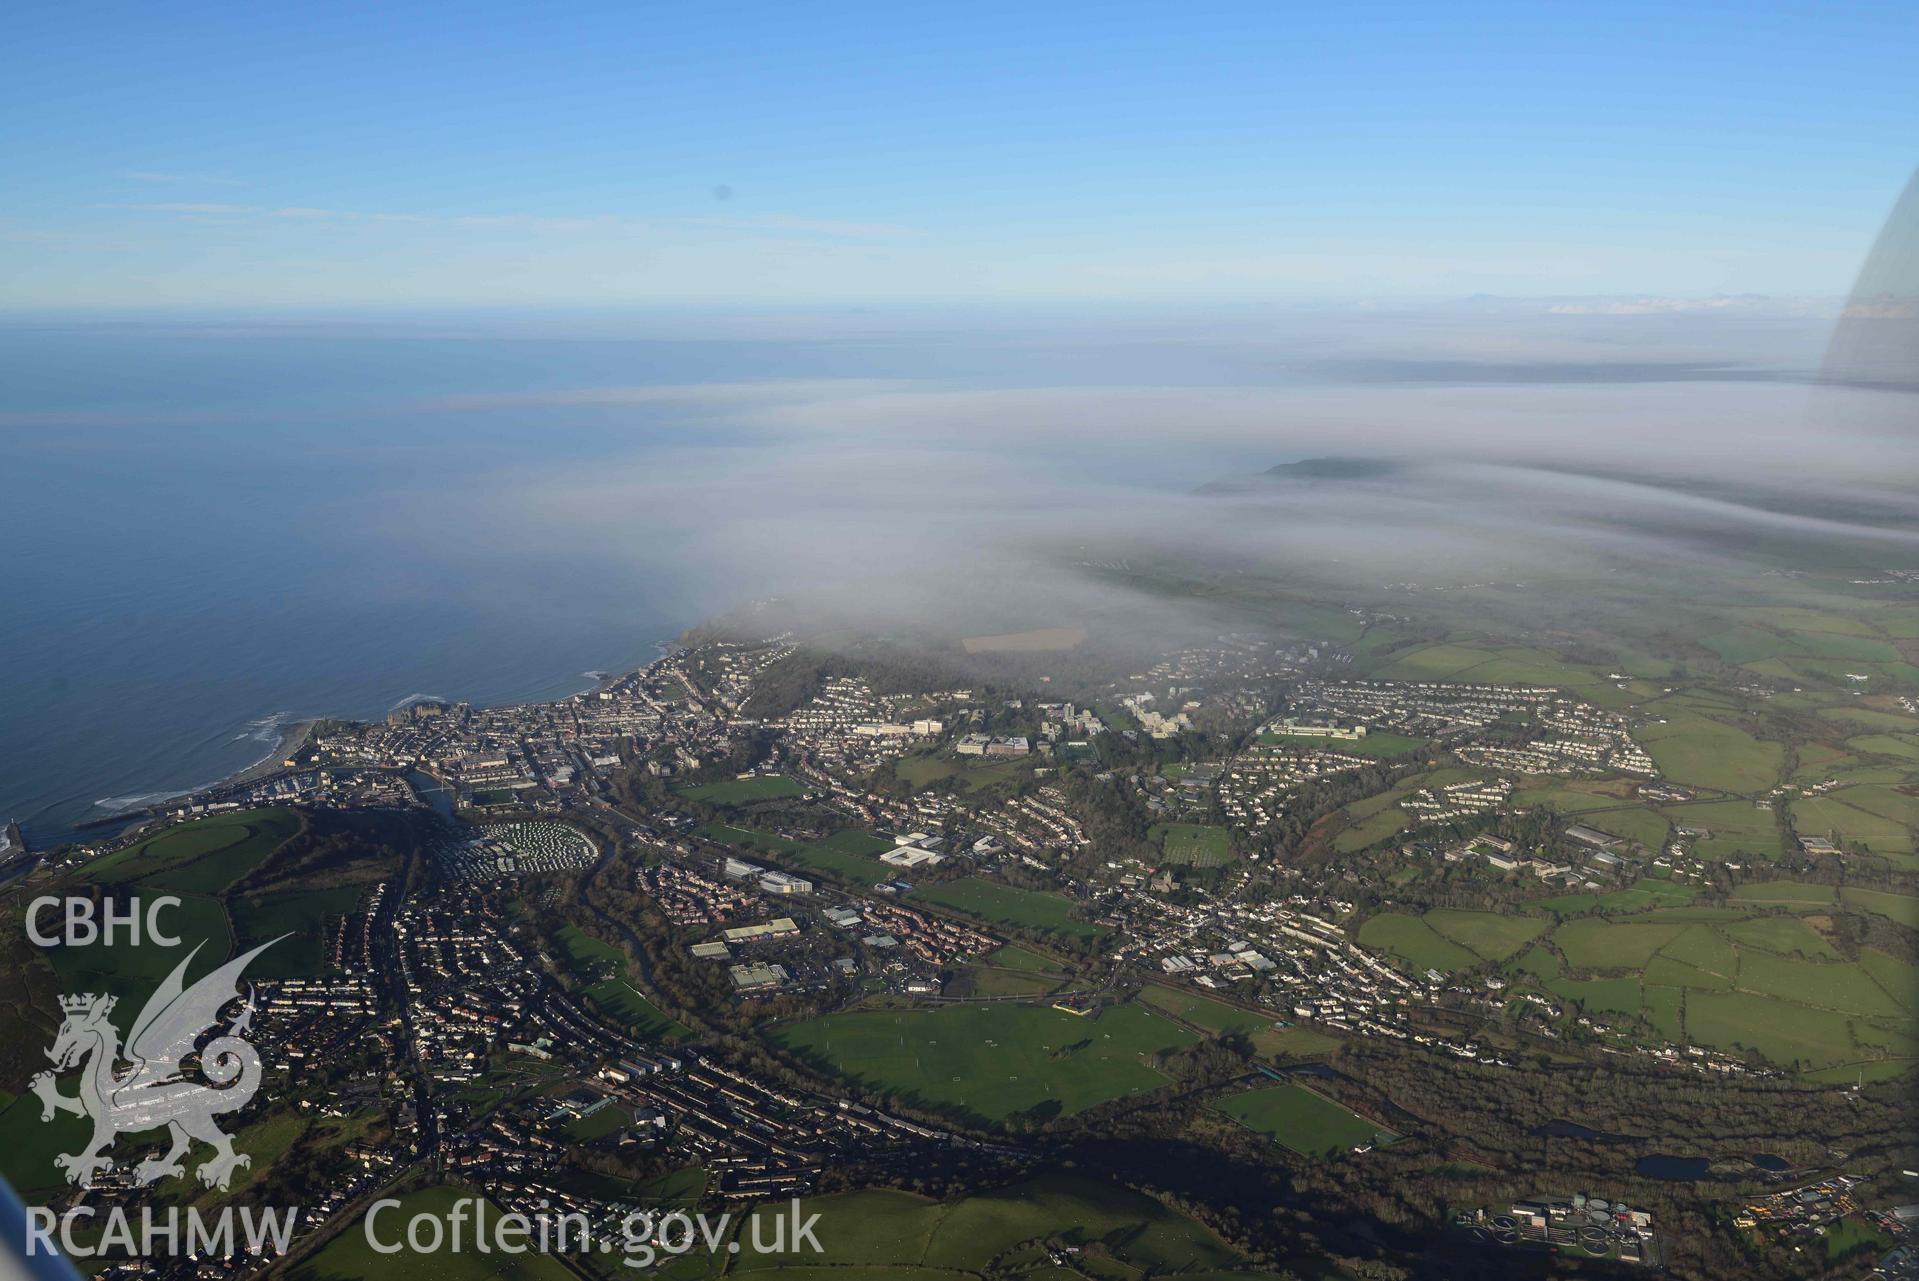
x,y
215,526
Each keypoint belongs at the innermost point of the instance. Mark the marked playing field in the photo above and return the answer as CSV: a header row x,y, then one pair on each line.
x,y
1308,1123
743,791
1193,844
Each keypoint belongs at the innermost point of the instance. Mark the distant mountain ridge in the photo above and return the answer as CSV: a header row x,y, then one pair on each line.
x,y
1305,471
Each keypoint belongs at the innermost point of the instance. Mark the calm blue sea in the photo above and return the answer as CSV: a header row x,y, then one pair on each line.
x,y
211,527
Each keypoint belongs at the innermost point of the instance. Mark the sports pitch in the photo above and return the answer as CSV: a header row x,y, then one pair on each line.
x,y
991,1062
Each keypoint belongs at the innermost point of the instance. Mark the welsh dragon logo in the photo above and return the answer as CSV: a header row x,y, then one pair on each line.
x,y
154,1088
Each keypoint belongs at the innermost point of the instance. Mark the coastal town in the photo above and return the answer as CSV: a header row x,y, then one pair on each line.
x,y
491,1013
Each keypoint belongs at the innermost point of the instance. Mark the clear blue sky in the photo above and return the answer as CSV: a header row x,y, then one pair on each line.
x,y
183,154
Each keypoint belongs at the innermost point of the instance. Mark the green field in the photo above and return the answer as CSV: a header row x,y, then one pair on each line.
x,y
743,791
609,1120
350,1255
28,1145
1733,981
1903,908
1378,817
302,915
1698,751
1593,944
131,972
1786,1035
199,857
1414,942
1379,745
974,774
884,1235
1786,935
590,958
847,854
850,854
1216,1017
1492,935
990,1063
1876,817
645,1021
1007,905
745,838
1193,844
1308,1123
1789,894
603,968
1014,957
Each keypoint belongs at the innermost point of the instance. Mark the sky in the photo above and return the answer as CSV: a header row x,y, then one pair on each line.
x,y
221,155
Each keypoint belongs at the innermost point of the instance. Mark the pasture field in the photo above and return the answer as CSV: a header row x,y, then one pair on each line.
x,y
1788,1035
29,1145
1792,894
1840,816
1007,905
350,1254
1473,662
988,1063
743,791
1193,844
301,914
1664,1012
1703,948
1415,943
1900,979
1737,829
1838,986
881,1233
1903,908
1295,1117
131,972
1597,996
1770,984
199,857
1904,747
1698,751
1786,935
1492,935
617,999
1537,962
1602,945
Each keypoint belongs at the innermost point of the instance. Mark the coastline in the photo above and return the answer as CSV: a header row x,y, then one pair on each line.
x,y
293,738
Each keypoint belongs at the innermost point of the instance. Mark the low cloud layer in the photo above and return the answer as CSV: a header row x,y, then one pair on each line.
x,y
963,506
